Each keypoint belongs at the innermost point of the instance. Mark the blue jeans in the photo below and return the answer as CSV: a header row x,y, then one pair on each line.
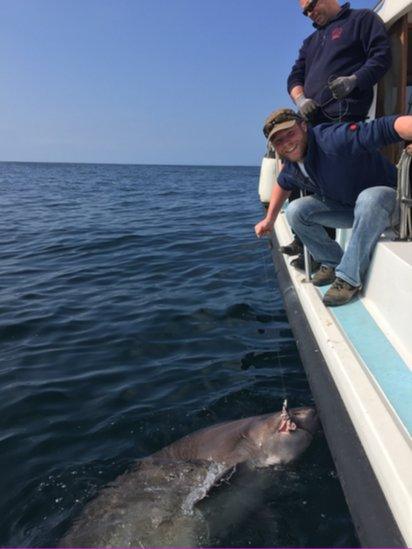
x,y
369,218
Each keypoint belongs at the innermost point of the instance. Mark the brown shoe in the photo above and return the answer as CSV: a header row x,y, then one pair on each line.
x,y
325,275
339,293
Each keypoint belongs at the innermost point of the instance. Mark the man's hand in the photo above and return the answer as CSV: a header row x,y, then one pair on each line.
x,y
263,227
408,149
342,86
306,106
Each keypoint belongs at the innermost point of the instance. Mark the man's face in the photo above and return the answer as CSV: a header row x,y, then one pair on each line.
x,y
322,11
291,143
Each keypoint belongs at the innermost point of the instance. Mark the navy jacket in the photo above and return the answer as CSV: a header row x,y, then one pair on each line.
x,y
354,42
342,160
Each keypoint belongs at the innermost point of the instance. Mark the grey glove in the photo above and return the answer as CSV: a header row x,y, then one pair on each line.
x,y
342,86
306,106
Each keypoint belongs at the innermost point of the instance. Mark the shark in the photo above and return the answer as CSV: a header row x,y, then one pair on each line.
x,y
154,504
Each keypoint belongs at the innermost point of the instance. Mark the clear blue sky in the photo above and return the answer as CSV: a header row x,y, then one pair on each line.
x,y
144,81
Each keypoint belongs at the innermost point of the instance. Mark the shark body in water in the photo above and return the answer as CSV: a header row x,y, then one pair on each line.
x,y
153,505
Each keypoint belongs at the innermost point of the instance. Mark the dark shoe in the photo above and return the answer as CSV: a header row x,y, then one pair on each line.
x,y
339,293
331,232
294,248
325,275
299,263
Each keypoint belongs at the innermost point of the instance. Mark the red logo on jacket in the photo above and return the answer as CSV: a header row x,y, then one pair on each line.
x,y
337,33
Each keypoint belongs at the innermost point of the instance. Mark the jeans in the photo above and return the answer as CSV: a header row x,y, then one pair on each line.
x,y
369,217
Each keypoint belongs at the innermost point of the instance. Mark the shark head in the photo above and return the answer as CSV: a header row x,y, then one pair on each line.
x,y
282,438
261,440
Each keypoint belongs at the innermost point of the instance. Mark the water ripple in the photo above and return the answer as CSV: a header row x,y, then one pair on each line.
x,y
136,306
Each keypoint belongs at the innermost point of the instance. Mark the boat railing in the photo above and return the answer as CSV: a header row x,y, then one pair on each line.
x,y
405,196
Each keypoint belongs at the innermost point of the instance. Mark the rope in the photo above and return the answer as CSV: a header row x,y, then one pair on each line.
x,y
343,104
404,197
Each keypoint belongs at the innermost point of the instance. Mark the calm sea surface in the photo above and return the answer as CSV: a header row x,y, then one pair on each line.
x,y
136,307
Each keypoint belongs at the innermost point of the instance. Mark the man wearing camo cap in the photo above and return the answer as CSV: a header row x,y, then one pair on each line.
x,y
353,185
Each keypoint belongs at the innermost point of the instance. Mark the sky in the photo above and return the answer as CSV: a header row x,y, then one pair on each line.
x,y
144,81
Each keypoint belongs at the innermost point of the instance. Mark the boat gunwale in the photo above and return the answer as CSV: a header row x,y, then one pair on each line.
x,y
339,451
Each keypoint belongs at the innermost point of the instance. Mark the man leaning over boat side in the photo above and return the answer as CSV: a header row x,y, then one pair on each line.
x,y
353,185
333,77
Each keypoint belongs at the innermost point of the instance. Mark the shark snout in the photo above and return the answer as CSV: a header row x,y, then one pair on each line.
x,y
306,418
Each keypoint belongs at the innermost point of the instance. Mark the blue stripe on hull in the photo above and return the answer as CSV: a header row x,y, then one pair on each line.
x,y
384,363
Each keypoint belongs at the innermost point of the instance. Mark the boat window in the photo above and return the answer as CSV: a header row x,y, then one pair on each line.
x,y
395,88
409,72
392,88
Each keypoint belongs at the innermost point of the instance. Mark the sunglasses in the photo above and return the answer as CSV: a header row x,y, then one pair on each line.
x,y
310,6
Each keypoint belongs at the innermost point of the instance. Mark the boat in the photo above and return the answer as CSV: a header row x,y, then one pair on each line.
x,y
358,357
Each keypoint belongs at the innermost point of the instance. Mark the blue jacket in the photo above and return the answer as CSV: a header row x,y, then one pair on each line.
x,y
354,42
342,160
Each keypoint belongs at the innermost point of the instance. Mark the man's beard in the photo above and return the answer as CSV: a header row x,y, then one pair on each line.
x,y
300,159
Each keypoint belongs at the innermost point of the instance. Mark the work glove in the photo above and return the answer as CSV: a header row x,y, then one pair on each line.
x,y
342,86
306,106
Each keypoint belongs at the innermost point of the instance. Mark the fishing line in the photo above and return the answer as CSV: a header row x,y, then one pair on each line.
x,y
342,113
343,104
270,287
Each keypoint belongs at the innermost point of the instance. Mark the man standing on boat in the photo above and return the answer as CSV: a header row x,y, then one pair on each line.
x,y
353,185
338,64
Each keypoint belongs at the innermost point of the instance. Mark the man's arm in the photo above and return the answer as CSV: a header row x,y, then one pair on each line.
x,y
351,139
296,81
297,73
403,127
377,52
277,199
377,48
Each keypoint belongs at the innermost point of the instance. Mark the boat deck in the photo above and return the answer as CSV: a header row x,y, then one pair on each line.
x,y
380,360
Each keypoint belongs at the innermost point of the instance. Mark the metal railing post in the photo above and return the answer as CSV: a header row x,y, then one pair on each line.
x,y
306,255
405,197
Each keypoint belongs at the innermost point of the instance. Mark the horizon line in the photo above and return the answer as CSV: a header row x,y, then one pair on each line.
x,y
131,164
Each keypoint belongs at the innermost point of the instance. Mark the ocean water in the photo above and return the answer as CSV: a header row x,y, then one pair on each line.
x,y
136,306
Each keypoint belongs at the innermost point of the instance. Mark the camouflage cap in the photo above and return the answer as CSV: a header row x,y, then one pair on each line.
x,y
281,119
